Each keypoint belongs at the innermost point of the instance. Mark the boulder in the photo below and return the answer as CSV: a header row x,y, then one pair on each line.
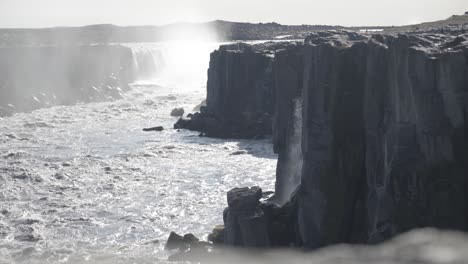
x,y
176,241
177,112
157,129
217,235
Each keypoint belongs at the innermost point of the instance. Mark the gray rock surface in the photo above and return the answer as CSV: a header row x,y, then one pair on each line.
x,y
372,137
384,134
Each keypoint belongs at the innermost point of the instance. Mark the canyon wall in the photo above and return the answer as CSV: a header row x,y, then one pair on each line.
x,y
240,93
384,136
372,136
35,77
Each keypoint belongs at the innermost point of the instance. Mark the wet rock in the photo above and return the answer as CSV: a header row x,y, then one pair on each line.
x,y
157,129
217,235
176,241
190,238
177,112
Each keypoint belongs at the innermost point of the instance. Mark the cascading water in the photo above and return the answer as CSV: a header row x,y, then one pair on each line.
x,y
291,169
148,60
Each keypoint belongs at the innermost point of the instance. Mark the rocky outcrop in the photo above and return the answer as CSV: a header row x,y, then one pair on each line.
x,y
35,77
239,92
251,223
372,136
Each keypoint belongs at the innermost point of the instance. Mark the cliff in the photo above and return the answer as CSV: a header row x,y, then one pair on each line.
x,y
239,92
384,136
372,136
35,77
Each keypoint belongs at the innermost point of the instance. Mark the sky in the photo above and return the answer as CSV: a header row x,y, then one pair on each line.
x,y
50,13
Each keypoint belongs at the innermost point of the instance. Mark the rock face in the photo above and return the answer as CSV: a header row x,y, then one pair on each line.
x,y
384,134
239,93
372,136
249,223
288,78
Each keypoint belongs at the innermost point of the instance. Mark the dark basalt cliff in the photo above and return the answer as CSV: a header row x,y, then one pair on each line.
x,y
239,92
35,77
384,136
372,136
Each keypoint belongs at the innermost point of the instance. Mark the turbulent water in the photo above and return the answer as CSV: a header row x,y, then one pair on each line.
x,y
85,184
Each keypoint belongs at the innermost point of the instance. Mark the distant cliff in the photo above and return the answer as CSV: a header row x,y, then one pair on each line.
x,y
220,30
372,136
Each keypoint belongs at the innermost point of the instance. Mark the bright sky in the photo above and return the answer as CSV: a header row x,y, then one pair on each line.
x,y
48,13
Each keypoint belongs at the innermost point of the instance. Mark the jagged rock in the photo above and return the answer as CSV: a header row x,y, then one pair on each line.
x,y
244,199
177,112
157,129
176,241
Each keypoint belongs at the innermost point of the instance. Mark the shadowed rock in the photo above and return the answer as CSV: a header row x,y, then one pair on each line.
x,y
157,129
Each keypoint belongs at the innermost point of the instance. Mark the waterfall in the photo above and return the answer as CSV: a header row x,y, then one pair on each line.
x,y
291,169
148,61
